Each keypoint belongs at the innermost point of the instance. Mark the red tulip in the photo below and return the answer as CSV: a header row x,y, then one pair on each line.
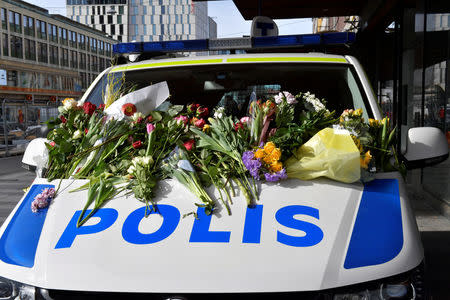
x,y
63,120
137,144
189,145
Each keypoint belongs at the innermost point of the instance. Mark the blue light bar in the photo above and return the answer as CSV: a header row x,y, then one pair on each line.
x,y
281,41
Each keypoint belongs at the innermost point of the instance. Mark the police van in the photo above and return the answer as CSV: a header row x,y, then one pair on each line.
x,y
318,239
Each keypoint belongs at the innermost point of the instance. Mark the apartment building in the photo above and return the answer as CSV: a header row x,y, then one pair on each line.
x,y
44,58
145,20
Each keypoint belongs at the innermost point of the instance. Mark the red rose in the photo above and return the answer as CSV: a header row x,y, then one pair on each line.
x,y
199,123
189,145
101,106
149,119
137,144
86,131
89,108
63,120
140,120
128,109
202,112
238,126
52,143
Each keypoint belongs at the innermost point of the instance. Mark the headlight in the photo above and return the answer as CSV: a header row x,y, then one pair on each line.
x,y
10,290
407,286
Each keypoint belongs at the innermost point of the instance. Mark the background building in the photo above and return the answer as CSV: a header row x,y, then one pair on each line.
x,y
328,24
44,59
144,20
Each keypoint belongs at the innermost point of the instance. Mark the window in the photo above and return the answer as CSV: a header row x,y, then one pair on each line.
x,y
119,19
15,22
28,26
42,53
73,39
63,36
110,19
143,19
64,57
53,55
102,20
113,29
81,41
145,10
104,28
101,47
93,10
5,44
121,12
15,44
52,33
30,49
41,28
163,9
94,45
82,61
73,59
4,19
133,19
121,29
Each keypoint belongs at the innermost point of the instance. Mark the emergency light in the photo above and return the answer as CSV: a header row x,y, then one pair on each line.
x,y
281,41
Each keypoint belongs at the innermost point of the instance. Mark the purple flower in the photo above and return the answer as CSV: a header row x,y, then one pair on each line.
x,y
43,199
276,176
252,165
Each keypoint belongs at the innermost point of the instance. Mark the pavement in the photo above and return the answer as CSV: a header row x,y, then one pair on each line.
x,y
434,228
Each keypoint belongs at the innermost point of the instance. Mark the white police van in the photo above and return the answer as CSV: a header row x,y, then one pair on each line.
x,y
318,239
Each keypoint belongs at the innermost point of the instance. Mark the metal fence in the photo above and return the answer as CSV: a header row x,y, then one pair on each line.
x,y
21,122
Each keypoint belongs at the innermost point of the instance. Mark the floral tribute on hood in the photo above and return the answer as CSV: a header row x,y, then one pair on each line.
x,y
199,146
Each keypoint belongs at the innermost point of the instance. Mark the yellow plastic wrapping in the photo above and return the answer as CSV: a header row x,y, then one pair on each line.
x,y
330,153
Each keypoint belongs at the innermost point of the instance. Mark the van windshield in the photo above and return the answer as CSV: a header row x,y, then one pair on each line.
x,y
214,85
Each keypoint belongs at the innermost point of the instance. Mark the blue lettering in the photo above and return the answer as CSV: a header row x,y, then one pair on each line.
x,y
264,27
107,217
200,231
130,231
285,216
252,225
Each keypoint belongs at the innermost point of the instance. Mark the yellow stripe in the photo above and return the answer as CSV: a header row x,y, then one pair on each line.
x,y
278,59
165,64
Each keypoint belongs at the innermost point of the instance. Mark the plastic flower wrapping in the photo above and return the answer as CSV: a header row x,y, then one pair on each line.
x,y
280,137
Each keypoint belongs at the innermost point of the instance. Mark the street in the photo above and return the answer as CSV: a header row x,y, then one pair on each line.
x,y
435,229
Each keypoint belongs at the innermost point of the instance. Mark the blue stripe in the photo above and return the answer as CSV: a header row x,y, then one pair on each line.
x,y
19,242
377,234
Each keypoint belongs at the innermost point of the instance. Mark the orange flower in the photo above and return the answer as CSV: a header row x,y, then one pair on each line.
x,y
269,147
365,160
276,166
276,154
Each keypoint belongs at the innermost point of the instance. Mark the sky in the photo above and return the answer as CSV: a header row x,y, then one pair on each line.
x,y
229,21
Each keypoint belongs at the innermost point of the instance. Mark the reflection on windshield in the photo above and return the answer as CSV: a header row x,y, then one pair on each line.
x,y
235,86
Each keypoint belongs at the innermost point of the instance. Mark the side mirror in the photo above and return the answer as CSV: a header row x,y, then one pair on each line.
x,y
425,146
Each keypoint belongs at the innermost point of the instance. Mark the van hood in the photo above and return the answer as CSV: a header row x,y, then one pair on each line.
x,y
300,236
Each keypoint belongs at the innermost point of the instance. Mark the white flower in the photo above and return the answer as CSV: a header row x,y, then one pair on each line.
x,y
77,134
278,98
131,169
313,103
142,161
290,98
136,116
69,103
219,113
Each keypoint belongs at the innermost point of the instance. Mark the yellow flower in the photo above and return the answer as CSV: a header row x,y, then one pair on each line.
x,y
365,160
358,112
276,154
385,121
373,122
268,159
259,153
357,143
269,147
206,128
276,166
